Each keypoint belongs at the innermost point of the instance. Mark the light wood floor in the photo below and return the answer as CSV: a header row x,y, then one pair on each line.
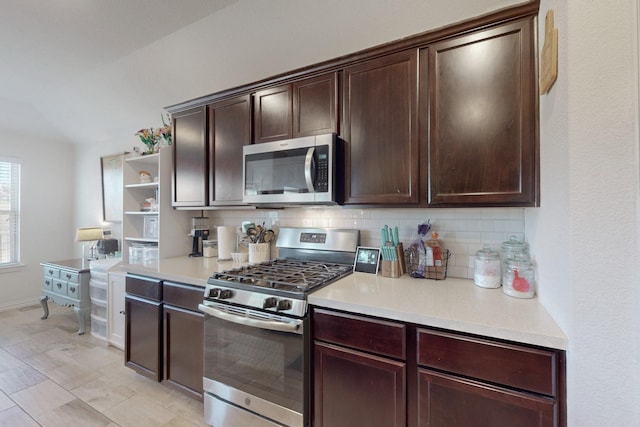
x,y
51,376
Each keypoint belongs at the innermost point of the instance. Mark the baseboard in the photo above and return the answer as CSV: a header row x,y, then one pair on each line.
x,y
15,305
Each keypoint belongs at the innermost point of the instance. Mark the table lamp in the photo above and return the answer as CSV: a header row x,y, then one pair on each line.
x,y
87,234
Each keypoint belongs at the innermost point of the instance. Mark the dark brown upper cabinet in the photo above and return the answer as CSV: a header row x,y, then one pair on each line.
x,y
445,118
380,131
479,112
302,108
189,187
272,114
229,131
315,105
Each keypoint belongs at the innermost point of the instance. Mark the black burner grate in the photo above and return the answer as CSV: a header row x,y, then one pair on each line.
x,y
285,274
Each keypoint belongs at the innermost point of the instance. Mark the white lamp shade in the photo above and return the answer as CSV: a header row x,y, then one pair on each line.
x,y
85,234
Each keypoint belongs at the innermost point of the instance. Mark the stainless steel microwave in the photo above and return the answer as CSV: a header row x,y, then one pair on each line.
x,y
299,171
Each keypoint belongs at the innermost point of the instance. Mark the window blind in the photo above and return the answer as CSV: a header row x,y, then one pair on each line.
x,y
9,212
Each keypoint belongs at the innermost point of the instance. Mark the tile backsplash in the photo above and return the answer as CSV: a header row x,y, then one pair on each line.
x,y
462,231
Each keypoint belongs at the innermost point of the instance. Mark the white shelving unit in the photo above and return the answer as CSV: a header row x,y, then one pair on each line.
x,y
166,231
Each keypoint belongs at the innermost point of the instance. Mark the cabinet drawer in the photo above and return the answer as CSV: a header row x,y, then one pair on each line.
x,y
69,276
73,290
362,333
181,295
48,283
99,276
51,272
59,287
521,367
145,287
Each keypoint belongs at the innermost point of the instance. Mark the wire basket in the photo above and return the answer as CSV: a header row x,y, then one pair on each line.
x,y
418,266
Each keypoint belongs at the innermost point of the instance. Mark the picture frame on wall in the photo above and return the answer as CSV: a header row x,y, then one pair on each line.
x,y
111,168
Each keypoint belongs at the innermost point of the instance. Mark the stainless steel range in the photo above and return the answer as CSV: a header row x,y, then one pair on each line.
x,y
256,359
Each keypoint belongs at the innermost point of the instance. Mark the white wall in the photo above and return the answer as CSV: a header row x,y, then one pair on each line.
x,y
585,234
46,214
88,189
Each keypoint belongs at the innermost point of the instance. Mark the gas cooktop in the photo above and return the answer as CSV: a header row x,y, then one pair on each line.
x,y
311,258
290,275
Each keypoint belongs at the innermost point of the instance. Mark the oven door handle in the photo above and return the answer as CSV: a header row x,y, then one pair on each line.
x,y
294,327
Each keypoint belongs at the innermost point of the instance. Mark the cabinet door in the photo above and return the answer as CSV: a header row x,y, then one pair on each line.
x,y
272,114
184,349
189,183
229,131
143,336
380,131
315,105
483,146
447,400
352,388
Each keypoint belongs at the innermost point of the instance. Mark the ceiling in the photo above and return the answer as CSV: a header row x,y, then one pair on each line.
x,y
93,72
50,49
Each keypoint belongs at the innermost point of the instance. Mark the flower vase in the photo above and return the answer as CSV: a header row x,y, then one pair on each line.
x,y
164,141
149,150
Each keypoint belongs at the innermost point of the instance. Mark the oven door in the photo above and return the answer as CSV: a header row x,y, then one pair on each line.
x,y
255,368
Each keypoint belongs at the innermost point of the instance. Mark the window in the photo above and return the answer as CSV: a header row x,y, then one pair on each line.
x,y
9,212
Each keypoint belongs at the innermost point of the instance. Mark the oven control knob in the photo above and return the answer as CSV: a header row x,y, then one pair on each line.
x,y
270,302
283,304
214,292
225,294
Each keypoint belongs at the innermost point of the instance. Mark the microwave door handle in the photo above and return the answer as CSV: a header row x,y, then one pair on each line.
x,y
294,327
309,166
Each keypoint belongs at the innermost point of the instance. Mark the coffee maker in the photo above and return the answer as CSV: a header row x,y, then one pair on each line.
x,y
199,232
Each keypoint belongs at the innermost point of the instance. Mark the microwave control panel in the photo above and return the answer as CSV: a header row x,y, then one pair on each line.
x,y
322,169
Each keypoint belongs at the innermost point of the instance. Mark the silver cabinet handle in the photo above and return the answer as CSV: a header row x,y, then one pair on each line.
x,y
295,326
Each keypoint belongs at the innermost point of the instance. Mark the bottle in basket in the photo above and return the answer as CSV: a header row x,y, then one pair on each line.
x,y
434,251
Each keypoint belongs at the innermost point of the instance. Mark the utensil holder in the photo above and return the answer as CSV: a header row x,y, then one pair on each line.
x,y
259,252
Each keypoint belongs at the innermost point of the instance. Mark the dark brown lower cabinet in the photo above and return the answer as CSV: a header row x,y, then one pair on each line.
x,y
353,388
164,332
377,372
143,336
448,401
183,338
360,372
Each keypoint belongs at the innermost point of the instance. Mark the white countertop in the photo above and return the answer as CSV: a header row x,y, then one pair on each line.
x,y
194,271
455,304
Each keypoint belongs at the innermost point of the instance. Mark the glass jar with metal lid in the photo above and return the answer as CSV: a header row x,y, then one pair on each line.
x,y
509,249
486,273
519,279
